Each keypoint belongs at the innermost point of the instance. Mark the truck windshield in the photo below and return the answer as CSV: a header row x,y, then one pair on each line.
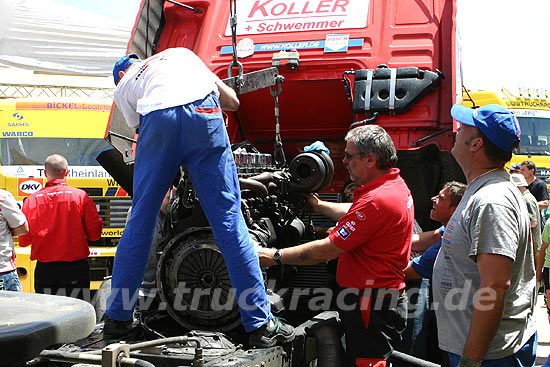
x,y
33,151
535,136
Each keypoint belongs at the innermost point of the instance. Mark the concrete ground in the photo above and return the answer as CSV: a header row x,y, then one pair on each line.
x,y
541,320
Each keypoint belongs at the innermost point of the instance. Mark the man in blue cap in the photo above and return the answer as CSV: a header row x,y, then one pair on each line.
x,y
177,102
484,278
515,168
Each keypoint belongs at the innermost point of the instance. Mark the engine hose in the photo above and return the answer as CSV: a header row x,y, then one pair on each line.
x,y
402,359
142,363
264,177
256,186
144,320
330,352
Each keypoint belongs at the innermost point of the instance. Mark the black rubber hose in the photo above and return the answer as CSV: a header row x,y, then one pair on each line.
x,y
330,352
256,186
399,359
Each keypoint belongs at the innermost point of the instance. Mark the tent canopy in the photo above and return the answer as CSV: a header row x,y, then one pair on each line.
x,y
46,36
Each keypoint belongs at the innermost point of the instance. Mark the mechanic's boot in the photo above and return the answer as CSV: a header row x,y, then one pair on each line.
x,y
271,333
113,329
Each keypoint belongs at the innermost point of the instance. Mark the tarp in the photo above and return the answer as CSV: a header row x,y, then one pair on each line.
x,y
47,36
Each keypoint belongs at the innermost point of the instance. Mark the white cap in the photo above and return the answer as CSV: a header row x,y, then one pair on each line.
x,y
518,179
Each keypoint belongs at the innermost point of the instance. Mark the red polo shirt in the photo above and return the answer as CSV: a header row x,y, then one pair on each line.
x,y
61,218
376,235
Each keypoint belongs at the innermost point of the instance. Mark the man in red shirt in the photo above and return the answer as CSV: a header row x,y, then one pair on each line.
x,y
61,221
373,243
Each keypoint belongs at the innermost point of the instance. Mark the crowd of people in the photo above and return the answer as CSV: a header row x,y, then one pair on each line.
x,y
481,266
483,263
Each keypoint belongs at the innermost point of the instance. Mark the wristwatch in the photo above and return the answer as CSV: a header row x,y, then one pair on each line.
x,y
466,362
277,257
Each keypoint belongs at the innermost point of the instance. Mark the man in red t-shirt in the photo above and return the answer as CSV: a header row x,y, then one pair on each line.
x,y
373,243
61,221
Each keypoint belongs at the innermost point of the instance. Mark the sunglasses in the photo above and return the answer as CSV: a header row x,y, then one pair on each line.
x,y
349,157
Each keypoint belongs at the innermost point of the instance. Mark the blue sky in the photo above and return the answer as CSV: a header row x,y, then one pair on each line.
x,y
122,10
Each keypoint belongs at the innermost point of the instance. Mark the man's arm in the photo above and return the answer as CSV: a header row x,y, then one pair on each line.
x,y
543,195
331,210
14,217
228,97
21,230
310,253
322,232
494,271
533,210
410,273
540,261
422,241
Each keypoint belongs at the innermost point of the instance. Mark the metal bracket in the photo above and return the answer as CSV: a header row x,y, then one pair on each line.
x,y
239,81
129,159
111,354
393,83
123,137
291,57
253,81
368,89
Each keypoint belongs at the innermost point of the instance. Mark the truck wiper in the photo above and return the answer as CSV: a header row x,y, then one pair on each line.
x,y
421,140
185,6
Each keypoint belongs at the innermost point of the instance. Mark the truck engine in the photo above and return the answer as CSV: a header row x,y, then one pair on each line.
x,y
271,202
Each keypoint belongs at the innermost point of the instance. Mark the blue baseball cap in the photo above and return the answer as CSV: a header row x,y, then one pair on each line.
x,y
124,63
514,167
498,124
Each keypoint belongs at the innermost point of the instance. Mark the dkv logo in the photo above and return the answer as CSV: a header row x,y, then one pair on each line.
x,y
27,186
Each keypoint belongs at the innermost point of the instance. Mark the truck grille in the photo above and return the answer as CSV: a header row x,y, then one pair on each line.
x,y
113,210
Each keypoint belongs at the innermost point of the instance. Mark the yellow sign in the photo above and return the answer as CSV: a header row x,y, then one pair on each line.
x,y
112,232
527,103
53,119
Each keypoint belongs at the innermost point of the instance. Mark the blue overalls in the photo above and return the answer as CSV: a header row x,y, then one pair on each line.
x,y
194,135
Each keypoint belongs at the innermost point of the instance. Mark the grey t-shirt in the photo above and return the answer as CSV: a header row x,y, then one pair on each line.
x,y
534,216
491,218
10,217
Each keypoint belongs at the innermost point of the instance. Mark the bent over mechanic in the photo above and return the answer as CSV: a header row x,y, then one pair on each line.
x,y
177,103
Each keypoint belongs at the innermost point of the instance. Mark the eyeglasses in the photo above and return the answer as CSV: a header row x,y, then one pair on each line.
x,y
349,157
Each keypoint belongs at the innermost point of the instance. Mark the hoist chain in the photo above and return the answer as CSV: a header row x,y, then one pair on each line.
x,y
278,153
235,63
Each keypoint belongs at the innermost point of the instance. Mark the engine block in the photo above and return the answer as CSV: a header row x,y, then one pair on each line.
x,y
192,279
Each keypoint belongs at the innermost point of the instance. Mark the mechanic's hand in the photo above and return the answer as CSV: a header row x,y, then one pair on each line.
x,y
312,202
266,256
466,362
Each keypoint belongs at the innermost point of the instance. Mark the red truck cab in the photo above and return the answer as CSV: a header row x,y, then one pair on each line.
x,y
324,41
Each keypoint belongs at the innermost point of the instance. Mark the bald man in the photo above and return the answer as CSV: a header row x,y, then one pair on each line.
x,y
62,219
